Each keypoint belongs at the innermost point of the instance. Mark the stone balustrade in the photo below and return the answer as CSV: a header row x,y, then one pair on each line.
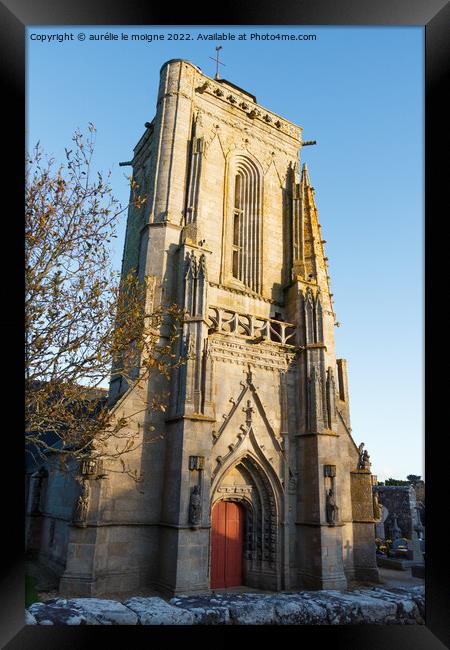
x,y
226,321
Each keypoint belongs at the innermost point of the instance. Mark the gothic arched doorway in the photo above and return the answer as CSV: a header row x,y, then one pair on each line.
x,y
227,544
256,490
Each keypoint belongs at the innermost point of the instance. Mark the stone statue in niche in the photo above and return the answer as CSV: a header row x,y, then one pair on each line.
x,y
377,511
248,413
292,481
195,507
82,505
331,507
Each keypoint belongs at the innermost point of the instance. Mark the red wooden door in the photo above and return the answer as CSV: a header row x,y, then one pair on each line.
x,y
227,534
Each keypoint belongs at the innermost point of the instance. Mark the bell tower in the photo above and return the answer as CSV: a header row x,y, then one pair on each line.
x,y
252,478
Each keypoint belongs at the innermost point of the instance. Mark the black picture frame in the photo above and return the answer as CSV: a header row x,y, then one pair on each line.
x,y
15,15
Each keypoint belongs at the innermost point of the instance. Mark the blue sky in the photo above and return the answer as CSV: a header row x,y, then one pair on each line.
x,y
358,91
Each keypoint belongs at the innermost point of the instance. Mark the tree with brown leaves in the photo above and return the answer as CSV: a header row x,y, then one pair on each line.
x,y
82,319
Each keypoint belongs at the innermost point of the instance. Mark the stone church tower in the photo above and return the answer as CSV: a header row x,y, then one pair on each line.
x,y
256,479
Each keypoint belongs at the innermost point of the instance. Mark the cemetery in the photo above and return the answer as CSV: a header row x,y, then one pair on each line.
x,y
399,532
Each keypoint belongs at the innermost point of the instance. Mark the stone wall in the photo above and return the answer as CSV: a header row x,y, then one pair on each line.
x,y
48,520
376,606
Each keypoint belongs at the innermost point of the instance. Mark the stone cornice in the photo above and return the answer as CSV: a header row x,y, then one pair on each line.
x,y
180,527
243,292
192,416
160,224
319,524
252,110
103,524
318,433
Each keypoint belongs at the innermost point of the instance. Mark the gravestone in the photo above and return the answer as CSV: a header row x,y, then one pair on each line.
x,y
415,552
403,519
399,548
379,527
395,531
420,528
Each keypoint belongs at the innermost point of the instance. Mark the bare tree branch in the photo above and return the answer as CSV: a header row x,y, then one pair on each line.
x,y
82,319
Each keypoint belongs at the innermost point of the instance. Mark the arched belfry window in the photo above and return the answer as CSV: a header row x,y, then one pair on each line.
x,y
246,222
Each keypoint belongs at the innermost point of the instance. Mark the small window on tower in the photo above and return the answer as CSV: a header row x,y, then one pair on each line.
x,y
236,229
235,264
237,191
340,381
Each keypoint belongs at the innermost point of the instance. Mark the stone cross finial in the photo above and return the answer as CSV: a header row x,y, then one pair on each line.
x,y
218,48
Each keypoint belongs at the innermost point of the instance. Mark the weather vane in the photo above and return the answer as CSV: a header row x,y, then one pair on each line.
x,y
219,47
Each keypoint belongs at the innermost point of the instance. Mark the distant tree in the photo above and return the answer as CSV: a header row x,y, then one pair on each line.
x,y
81,318
395,481
412,479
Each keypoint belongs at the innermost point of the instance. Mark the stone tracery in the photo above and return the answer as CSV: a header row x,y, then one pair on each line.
x,y
246,221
